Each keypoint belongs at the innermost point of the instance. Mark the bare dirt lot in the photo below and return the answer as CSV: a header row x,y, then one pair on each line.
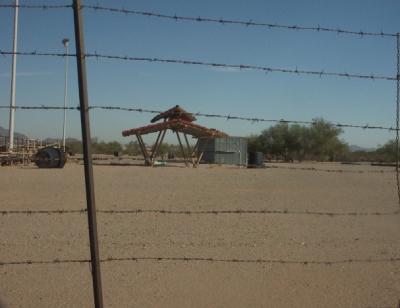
x,y
165,283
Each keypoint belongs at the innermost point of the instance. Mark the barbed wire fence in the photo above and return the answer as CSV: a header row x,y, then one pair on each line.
x,y
199,212
241,67
205,115
84,109
205,259
221,21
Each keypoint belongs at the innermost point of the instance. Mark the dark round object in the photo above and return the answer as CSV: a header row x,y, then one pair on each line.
x,y
50,157
256,160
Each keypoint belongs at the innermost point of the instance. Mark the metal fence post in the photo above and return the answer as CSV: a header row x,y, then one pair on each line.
x,y
397,112
88,166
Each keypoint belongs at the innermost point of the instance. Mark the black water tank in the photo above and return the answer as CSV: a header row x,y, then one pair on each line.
x,y
50,157
256,160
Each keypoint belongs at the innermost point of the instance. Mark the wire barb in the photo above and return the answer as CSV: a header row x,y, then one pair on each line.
x,y
245,23
205,115
205,259
200,212
241,67
37,6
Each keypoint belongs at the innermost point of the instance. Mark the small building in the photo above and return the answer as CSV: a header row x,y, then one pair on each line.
x,y
226,150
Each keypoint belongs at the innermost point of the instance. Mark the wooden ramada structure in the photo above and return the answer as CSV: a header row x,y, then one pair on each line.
x,y
179,121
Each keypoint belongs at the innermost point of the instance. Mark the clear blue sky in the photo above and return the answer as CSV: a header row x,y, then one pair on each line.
x,y
160,86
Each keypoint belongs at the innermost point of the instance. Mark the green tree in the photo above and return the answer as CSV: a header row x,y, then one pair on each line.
x,y
387,152
133,148
255,144
74,146
289,142
101,147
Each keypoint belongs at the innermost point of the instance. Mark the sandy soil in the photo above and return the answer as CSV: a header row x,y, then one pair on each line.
x,y
244,236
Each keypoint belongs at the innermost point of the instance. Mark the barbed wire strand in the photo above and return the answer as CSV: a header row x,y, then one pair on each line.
x,y
37,6
329,170
199,19
398,116
240,67
198,212
206,115
38,212
206,259
245,23
241,211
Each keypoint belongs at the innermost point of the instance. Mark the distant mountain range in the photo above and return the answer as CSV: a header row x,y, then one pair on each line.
x,y
4,132
356,148
55,140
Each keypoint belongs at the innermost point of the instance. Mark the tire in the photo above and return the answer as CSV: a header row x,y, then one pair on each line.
x,y
50,158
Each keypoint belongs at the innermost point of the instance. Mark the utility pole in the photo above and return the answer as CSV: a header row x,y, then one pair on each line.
x,y
13,78
65,43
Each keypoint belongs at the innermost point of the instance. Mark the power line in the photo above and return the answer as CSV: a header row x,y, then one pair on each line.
x,y
241,67
205,115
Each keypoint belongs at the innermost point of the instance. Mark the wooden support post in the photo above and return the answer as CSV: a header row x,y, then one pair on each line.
x,y
182,149
195,148
155,146
199,158
189,150
200,155
194,154
161,140
143,148
158,145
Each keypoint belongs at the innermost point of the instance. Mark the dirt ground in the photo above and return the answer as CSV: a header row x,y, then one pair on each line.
x,y
152,283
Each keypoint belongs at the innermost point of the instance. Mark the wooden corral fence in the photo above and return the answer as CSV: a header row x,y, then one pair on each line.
x,y
24,150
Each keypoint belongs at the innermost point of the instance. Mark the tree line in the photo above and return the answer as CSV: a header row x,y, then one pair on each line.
x,y
287,142
319,141
132,148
